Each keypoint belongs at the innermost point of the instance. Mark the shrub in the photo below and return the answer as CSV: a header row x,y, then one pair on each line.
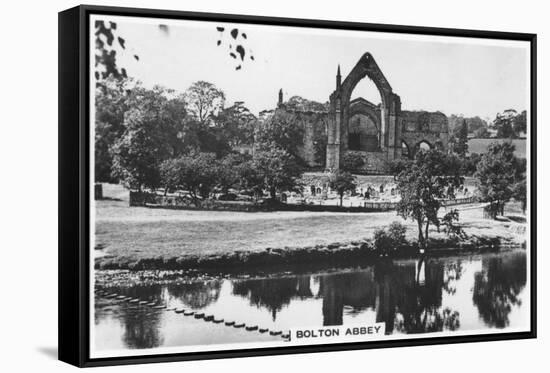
x,y
382,241
391,239
396,232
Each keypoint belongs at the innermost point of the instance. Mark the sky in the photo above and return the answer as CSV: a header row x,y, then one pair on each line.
x,y
453,75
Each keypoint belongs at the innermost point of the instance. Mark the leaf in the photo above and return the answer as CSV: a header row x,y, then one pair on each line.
x,y
233,55
136,57
235,33
252,58
121,41
240,51
238,67
113,25
164,28
218,42
243,35
220,29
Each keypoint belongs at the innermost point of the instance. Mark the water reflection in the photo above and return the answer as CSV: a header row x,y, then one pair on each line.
x,y
196,295
408,296
497,288
273,294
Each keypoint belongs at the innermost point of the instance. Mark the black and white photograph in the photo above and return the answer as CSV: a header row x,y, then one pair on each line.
x,y
255,185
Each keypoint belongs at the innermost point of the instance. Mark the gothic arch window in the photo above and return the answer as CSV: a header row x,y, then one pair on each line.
x,y
422,146
363,133
405,152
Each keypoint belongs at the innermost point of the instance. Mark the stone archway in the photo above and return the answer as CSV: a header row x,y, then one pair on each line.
x,y
339,115
422,145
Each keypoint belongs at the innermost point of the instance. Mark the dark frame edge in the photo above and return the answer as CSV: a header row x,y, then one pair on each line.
x,y
70,251
74,192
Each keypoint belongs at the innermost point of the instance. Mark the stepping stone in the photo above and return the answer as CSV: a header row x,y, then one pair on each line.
x,y
238,325
261,330
230,323
134,300
285,336
188,313
143,302
121,297
171,309
110,295
159,307
251,328
217,321
179,310
151,304
199,315
273,332
209,318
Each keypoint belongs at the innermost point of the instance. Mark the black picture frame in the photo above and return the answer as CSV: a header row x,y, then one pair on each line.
x,y
74,265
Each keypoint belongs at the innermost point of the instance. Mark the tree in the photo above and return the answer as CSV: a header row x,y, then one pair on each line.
x,y
519,193
237,124
520,123
282,129
474,123
204,101
469,164
250,178
277,170
195,173
432,177
111,99
106,53
461,144
151,128
227,171
497,172
342,182
504,123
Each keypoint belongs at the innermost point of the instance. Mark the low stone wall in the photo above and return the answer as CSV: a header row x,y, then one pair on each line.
x,y
152,200
174,202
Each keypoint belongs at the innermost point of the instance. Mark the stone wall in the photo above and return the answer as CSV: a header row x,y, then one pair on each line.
x,y
422,126
373,162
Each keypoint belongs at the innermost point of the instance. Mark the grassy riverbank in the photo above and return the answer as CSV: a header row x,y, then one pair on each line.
x,y
142,238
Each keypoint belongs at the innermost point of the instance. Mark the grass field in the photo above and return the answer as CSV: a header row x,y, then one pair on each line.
x,y
480,146
137,233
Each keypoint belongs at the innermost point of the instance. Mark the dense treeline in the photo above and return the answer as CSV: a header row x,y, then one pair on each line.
x,y
152,138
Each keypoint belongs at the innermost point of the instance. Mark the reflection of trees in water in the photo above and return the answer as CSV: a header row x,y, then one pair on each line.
x,y
412,306
497,288
141,327
196,294
356,290
453,273
274,293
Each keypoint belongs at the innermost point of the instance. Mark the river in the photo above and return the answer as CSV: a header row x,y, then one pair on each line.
x,y
409,296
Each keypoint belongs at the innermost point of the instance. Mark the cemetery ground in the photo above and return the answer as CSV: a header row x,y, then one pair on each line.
x,y
144,238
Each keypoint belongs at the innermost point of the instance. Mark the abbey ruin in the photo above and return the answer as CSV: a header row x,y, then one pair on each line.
x,y
372,135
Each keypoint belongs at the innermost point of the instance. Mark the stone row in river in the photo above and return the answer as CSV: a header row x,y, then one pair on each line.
x,y
196,315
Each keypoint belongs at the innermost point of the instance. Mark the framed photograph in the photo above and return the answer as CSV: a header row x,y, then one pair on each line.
x,y
233,186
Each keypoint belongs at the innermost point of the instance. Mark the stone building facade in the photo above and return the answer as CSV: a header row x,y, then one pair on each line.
x,y
359,133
